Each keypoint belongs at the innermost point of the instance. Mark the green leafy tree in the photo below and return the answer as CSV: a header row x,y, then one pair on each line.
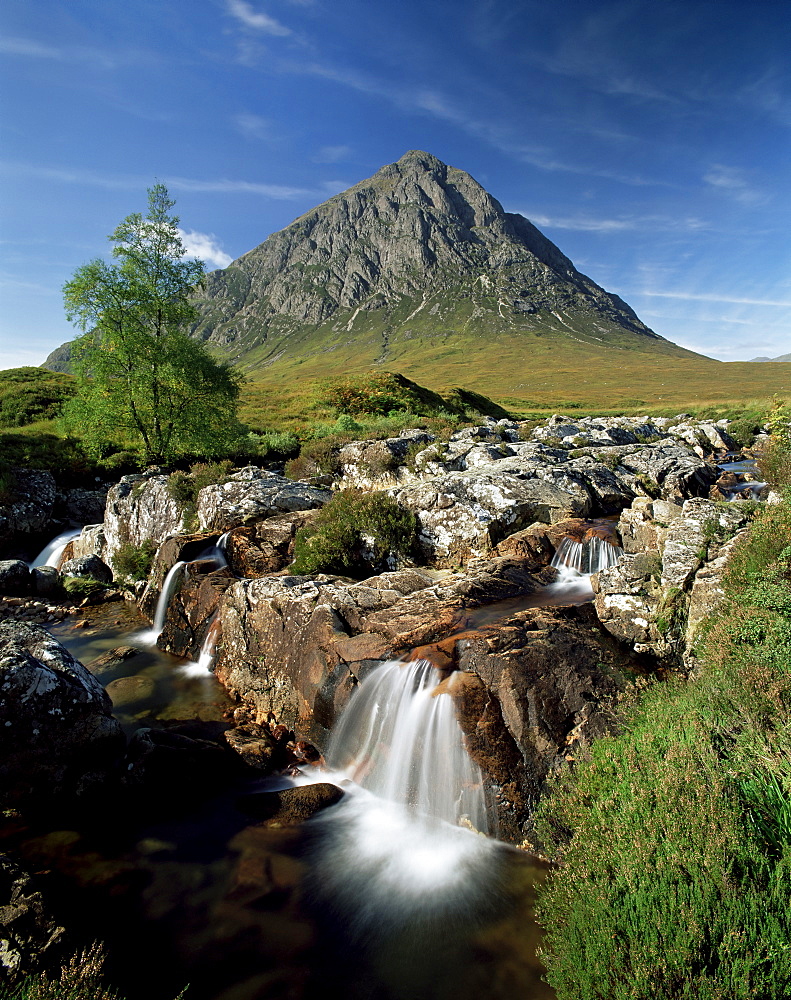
x,y
139,373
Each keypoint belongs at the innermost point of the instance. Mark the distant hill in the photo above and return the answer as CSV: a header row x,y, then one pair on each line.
x,y
783,357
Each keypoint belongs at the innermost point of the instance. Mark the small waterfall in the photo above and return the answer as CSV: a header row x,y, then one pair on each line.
x,y
168,587
402,741
209,647
51,553
586,557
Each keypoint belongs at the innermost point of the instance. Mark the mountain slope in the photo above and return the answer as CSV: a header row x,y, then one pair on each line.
x,y
416,266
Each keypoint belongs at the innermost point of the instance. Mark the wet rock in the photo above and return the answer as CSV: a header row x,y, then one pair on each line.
x,y
15,577
88,566
57,735
101,664
174,765
128,693
90,542
46,581
31,938
291,805
192,608
266,547
253,495
256,745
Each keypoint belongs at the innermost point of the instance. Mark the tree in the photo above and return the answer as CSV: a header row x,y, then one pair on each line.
x,y
138,371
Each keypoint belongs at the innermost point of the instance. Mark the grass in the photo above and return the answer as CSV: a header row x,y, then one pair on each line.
x,y
673,836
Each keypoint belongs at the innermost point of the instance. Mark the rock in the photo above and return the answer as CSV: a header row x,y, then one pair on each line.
x,y
90,542
57,736
256,745
46,581
15,577
131,693
31,939
30,511
192,608
466,514
291,805
88,566
174,765
139,508
253,495
82,506
106,661
266,547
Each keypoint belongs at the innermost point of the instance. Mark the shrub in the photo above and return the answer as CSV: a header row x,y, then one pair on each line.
x,y
133,562
184,487
28,395
352,533
371,393
318,457
272,445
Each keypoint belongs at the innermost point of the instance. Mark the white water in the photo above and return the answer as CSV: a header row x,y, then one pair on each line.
x,y
209,647
169,585
586,557
51,553
402,741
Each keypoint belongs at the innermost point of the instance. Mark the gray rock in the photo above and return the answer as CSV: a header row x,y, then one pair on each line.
x,y
57,736
31,938
15,577
252,496
88,566
46,581
139,508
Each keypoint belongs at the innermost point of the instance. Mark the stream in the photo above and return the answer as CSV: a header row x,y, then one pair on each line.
x,y
395,892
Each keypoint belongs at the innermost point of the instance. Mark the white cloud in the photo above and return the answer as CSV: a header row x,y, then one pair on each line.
x,y
733,180
254,126
205,247
332,154
586,223
695,297
257,20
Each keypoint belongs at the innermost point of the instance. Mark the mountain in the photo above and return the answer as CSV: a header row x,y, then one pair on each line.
x,y
781,357
416,266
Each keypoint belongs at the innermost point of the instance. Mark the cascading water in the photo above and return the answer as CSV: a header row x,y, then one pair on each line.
x,y
402,741
168,586
586,557
51,553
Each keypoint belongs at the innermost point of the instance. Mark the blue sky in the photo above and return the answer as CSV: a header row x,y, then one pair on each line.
x,y
649,140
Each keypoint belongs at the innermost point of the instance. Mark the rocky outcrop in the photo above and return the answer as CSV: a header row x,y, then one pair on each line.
x,y
672,553
31,937
253,495
58,737
139,509
536,686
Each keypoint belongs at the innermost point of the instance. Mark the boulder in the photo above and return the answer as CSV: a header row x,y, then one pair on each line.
x,y
253,495
15,577
81,505
174,765
290,806
139,508
46,581
90,566
90,542
57,735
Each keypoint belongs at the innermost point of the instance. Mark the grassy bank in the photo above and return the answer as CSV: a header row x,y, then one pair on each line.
x,y
674,836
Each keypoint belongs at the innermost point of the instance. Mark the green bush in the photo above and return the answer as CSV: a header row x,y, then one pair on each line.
x,y
133,562
351,523
63,457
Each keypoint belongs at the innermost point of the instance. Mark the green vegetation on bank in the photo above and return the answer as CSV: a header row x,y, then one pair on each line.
x,y
673,837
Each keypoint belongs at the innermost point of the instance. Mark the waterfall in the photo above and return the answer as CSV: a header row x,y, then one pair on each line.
x,y
168,587
51,553
402,741
586,557
209,647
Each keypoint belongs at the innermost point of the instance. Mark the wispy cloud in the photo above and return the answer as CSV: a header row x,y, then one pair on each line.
x,y
205,247
734,182
29,48
129,182
332,154
246,15
713,297
255,126
586,223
